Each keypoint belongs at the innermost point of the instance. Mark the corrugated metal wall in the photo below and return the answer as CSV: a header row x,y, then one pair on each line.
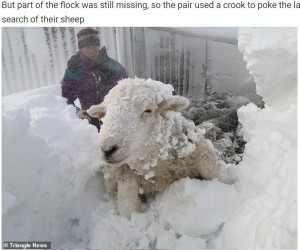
x,y
178,60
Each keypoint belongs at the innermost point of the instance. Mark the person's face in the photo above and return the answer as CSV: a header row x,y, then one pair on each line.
x,y
91,51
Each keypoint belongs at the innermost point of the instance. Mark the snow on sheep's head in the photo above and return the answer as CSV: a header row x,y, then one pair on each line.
x,y
133,114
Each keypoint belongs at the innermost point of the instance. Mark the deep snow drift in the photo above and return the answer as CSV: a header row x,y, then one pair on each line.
x,y
267,176
53,189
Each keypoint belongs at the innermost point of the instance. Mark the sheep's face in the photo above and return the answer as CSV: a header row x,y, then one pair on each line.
x,y
132,118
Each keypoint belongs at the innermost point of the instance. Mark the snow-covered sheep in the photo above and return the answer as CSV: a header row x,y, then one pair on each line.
x,y
147,143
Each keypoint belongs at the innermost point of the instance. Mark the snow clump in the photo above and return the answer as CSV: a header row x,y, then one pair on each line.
x,y
267,176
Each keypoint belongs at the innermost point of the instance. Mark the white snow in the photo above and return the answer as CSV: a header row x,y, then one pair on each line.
x,y
50,163
267,176
53,189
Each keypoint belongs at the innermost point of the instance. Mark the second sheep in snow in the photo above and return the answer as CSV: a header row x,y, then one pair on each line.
x,y
147,144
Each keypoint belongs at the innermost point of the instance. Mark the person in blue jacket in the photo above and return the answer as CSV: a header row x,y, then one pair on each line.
x,y
90,74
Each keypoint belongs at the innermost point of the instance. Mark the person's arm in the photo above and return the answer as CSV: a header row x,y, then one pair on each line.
x,y
69,88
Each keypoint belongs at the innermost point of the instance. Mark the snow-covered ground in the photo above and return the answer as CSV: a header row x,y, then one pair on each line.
x,y
53,188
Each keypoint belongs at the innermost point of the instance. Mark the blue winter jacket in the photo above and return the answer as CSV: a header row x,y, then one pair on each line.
x,y
90,81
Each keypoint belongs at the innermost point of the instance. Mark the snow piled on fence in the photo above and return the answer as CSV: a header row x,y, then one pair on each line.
x,y
53,189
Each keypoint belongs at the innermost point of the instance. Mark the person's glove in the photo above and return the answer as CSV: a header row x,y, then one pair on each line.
x,y
82,114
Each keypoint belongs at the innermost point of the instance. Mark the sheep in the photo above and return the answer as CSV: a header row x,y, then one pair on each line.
x,y
147,144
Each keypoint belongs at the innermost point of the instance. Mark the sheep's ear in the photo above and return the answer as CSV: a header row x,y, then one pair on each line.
x,y
96,111
173,103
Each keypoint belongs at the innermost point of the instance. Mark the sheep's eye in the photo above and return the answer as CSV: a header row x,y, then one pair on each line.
x,y
148,111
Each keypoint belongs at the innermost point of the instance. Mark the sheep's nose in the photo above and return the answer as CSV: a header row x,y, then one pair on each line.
x,y
108,151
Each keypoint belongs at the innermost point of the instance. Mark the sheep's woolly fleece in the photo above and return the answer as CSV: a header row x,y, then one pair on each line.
x,y
173,132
